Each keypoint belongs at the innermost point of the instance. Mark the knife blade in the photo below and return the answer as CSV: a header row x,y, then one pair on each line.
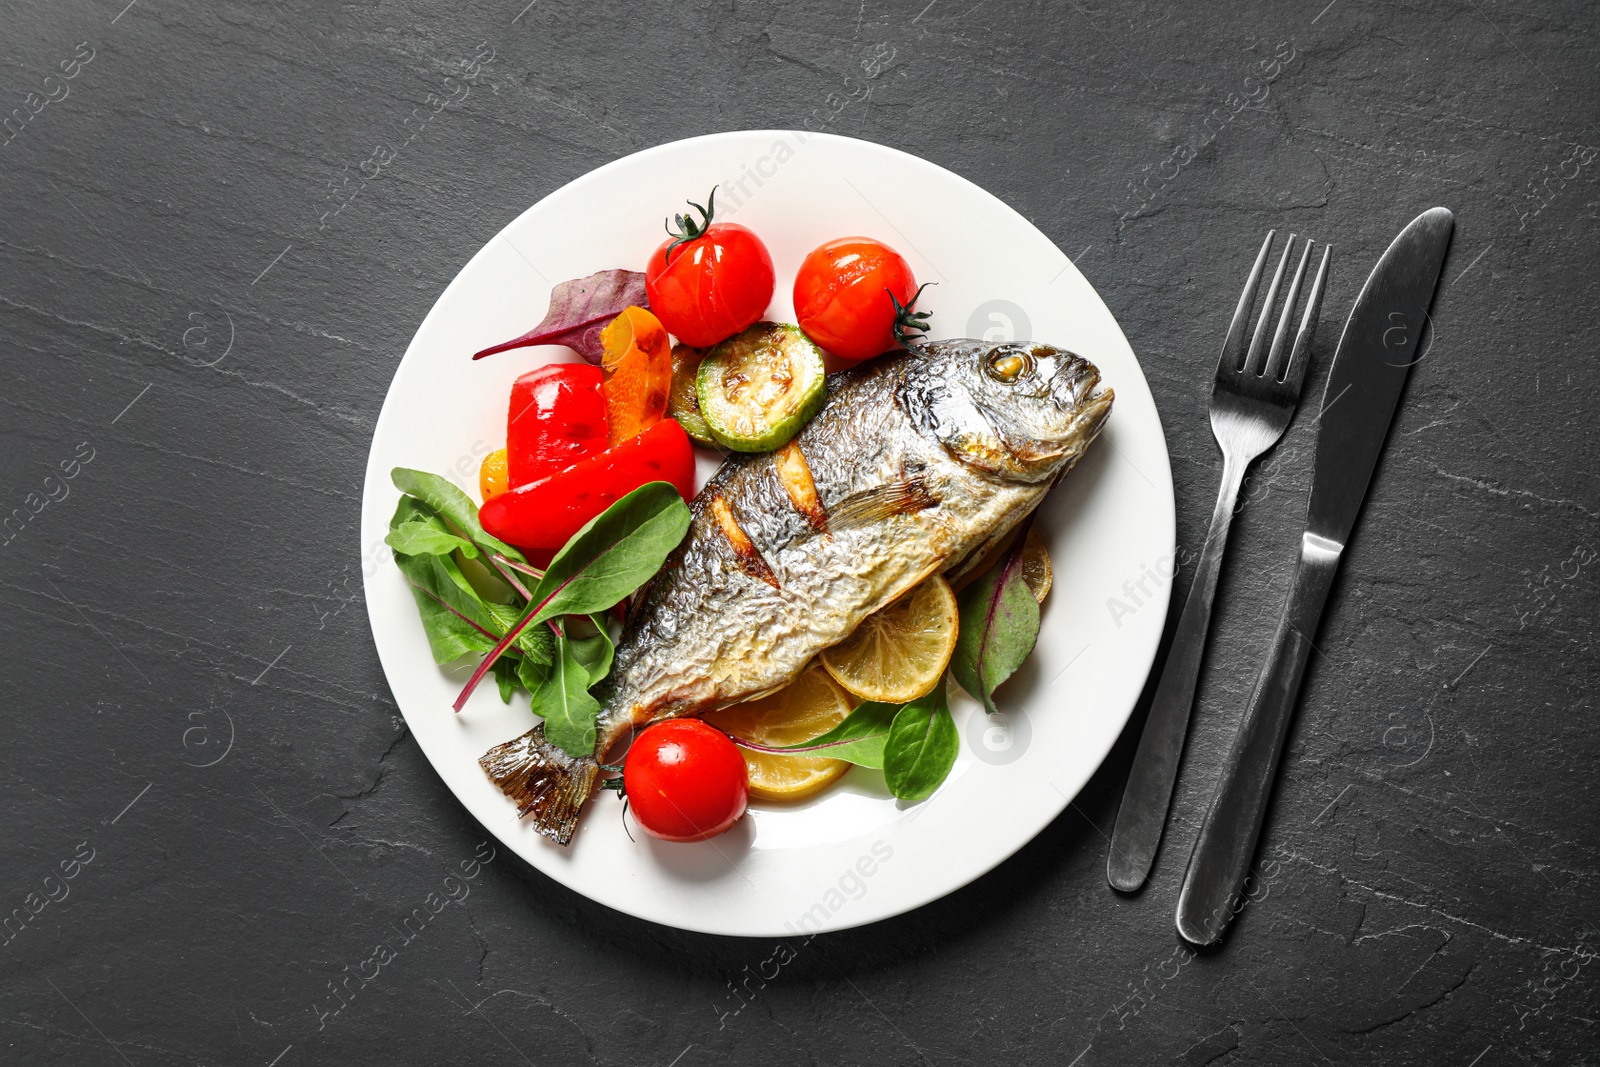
x,y
1370,367
1375,355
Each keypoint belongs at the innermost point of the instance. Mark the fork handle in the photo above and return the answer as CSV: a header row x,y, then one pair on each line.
x,y
1148,794
1220,864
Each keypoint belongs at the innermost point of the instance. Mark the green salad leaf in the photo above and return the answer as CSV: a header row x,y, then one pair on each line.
x,y
999,626
593,652
423,532
921,748
615,553
913,744
607,560
858,739
455,506
569,711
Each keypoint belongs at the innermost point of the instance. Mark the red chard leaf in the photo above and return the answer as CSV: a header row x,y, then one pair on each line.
x,y
579,309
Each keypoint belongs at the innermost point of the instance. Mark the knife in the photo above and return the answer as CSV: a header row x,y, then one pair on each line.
x,y
1370,368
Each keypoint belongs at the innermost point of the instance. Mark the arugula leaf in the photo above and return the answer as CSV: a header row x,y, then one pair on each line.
x,y
564,702
451,503
859,739
594,653
533,675
921,748
534,642
579,310
999,626
615,553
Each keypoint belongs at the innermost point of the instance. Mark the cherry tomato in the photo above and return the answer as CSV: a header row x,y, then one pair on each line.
x,y
840,298
546,513
711,280
685,780
557,416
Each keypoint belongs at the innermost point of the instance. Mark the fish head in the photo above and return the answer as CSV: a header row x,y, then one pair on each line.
x,y
1020,412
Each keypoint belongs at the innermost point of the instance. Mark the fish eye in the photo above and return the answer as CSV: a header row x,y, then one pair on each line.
x,y
1007,367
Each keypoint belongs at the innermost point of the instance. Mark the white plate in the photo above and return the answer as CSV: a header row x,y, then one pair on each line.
x,y
852,855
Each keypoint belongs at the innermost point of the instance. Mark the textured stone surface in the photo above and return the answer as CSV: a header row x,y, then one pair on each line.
x,y
195,587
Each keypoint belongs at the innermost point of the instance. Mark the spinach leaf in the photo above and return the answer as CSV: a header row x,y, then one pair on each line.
x,y
452,619
921,748
595,652
999,625
455,618
860,738
428,536
564,702
615,553
454,505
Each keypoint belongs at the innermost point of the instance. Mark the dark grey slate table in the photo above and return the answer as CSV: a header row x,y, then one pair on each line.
x,y
211,809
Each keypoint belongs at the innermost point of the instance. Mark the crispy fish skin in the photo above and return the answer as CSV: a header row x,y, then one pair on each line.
x,y
920,460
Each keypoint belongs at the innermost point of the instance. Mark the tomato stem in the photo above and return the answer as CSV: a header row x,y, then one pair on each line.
x,y
909,326
688,229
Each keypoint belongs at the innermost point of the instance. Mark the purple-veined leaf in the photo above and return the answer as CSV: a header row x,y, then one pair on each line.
x,y
999,625
579,309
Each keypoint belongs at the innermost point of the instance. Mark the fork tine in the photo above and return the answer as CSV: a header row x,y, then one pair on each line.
x,y
1233,346
1274,366
1295,373
1252,362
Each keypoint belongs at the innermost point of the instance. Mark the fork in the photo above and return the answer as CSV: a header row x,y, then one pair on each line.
x,y
1253,399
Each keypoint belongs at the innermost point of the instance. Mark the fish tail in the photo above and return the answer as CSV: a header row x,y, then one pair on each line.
x,y
546,783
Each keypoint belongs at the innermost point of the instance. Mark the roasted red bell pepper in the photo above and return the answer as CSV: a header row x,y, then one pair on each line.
x,y
546,513
557,417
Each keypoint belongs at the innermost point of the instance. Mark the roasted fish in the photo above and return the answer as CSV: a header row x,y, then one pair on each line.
x,y
918,464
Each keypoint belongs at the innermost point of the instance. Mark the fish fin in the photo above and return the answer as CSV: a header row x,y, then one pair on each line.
x,y
545,782
882,502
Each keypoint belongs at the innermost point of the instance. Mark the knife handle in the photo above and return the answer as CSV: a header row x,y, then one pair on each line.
x,y
1218,867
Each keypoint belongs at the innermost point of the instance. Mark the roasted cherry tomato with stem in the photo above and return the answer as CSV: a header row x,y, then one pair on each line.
x,y
853,297
557,416
711,280
546,513
685,780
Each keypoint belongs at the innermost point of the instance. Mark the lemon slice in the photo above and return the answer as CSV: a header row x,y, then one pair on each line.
x,y
899,652
1036,570
808,707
